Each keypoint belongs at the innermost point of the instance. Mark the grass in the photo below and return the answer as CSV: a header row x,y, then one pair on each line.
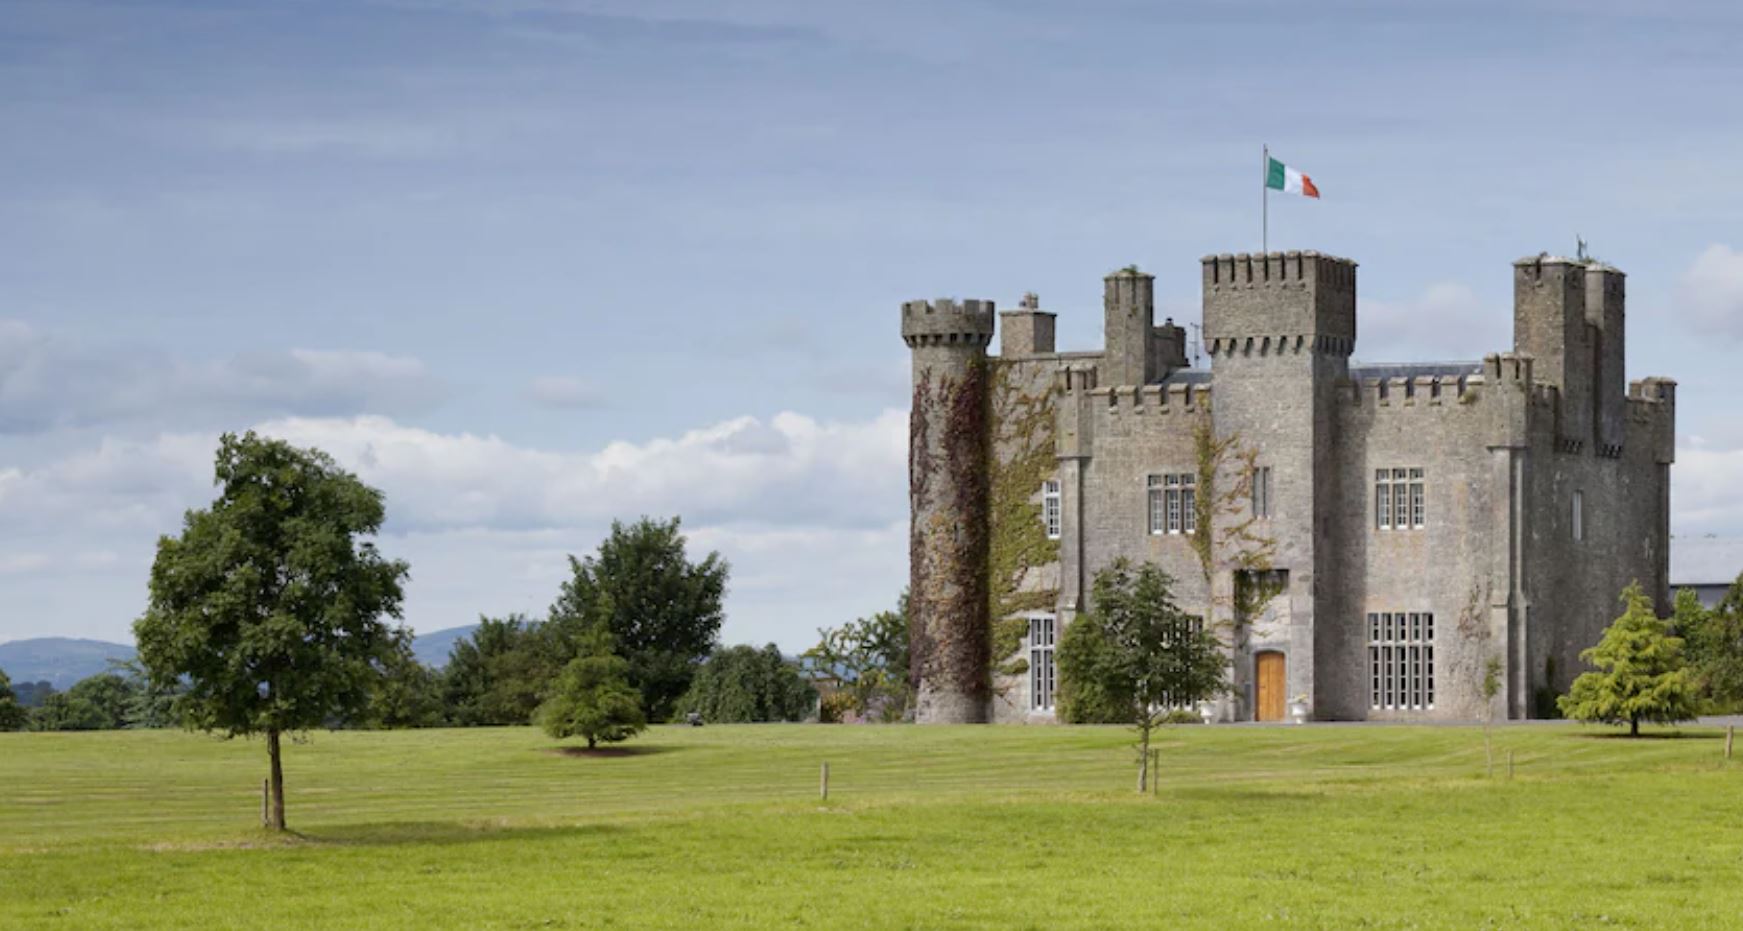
x,y
1318,827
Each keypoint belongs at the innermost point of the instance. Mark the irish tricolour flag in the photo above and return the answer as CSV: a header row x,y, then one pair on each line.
x,y
1280,177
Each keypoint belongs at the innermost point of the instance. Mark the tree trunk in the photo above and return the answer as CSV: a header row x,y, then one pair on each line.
x,y
590,743
1488,749
276,821
1634,727
1144,759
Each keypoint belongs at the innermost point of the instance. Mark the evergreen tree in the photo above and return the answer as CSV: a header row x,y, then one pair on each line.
x,y
1641,674
592,697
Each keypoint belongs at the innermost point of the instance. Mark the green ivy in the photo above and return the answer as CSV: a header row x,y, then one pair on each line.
x,y
1018,539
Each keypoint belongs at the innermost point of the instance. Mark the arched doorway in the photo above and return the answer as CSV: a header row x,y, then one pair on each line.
x,y
1271,673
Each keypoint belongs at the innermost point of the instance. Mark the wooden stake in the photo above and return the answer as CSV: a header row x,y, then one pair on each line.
x,y
825,786
1155,772
1730,735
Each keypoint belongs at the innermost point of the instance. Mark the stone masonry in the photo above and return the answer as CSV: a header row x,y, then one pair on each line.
x,y
1409,523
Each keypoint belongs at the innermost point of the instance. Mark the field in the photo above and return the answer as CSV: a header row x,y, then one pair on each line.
x,y
1335,827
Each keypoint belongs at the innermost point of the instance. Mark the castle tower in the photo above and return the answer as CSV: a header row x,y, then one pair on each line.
x,y
1280,328
1550,307
947,499
1128,326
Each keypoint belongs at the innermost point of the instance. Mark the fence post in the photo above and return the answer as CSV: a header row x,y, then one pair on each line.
x,y
1730,734
824,788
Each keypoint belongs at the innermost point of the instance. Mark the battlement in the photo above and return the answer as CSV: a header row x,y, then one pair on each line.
x,y
1075,378
946,321
1654,390
1425,390
1160,400
1499,367
1278,270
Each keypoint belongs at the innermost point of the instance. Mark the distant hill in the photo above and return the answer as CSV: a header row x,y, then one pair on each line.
x,y
61,661
432,648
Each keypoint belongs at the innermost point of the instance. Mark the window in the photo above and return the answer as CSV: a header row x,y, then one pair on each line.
x,y
1262,491
1041,675
1194,627
1579,516
1399,501
1401,660
1050,508
1173,502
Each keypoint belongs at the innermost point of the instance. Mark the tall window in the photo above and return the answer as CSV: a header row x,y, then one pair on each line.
x,y
1262,491
1041,675
1050,508
1579,516
1401,660
1399,502
1173,502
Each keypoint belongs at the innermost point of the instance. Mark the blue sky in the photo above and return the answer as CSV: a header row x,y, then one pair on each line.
x,y
530,265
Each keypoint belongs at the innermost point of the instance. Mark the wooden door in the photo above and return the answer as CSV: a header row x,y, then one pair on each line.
x,y
1271,700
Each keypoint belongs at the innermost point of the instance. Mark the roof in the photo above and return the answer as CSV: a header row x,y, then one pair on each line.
x,y
1705,560
1361,371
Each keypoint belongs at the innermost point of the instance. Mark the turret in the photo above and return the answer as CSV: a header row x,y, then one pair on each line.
x,y
948,630
1606,295
1279,302
1549,322
1026,331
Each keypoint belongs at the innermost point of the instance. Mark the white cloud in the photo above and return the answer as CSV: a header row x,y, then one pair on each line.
x,y
1446,322
1711,292
564,392
49,381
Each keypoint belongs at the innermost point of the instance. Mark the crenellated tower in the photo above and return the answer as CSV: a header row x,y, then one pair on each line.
x,y
947,497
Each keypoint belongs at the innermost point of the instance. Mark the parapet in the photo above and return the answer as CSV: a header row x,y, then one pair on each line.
x,y
1028,330
1652,416
1128,400
1278,270
1305,300
948,322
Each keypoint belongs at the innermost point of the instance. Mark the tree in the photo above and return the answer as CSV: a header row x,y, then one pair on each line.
x,y
271,602
869,657
31,694
409,693
1491,687
112,694
62,711
12,714
1138,657
1714,641
743,684
1641,673
499,674
661,610
592,697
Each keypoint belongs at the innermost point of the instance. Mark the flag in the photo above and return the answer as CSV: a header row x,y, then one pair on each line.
x,y
1280,177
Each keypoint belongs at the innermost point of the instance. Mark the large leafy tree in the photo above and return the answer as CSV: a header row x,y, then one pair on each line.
x,y
1136,656
12,714
743,684
271,602
868,657
662,610
1715,644
64,711
1641,674
592,698
112,694
409,694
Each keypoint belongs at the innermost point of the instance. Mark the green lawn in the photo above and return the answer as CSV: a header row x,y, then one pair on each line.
x,y
1335,827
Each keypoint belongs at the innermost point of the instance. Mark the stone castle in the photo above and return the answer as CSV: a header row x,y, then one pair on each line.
x,y
1370,537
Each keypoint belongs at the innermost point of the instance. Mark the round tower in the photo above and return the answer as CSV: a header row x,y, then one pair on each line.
x,y
948,630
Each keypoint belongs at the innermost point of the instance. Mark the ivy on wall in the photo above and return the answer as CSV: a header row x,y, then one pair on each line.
x,y
1023,424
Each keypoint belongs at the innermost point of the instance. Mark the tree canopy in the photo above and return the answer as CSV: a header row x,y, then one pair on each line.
x,y
1714,640
592,697
271,602
499,674
12,714
743,684
869,658
1641,674
662,610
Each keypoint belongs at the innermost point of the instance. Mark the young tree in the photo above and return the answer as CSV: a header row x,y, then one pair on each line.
x,y
743,684
271,601
1491,687
1715,644
1641,674
662,610
1138,656
869,657
12,714
592,697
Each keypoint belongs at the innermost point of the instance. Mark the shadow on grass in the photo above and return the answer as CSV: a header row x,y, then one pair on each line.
x,y
610,752
1651,735
393,833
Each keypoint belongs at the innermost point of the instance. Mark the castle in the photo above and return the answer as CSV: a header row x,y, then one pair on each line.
x,y
1370,537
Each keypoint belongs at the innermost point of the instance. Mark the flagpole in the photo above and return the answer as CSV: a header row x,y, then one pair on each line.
x,y
1264,198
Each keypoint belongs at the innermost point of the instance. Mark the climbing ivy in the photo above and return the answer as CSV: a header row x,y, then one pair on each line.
x,y
1023,422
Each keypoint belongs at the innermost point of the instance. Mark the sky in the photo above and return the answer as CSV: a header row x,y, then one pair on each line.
x,y
528,266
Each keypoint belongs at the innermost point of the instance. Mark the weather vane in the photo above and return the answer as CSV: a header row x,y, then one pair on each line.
x,y
1580,248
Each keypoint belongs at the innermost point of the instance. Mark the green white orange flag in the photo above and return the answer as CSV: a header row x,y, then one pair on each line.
x,y
1280,177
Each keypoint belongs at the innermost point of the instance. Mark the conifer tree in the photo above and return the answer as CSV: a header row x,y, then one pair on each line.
x,y
592,697
1641,674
